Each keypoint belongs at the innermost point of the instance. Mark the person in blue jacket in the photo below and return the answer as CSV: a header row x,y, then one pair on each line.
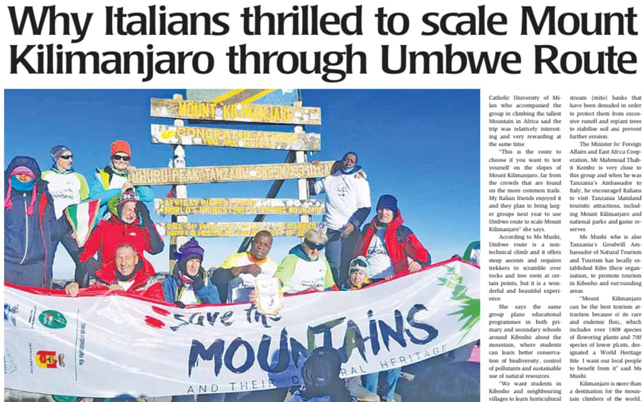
x,y
112,180
189,284
30,225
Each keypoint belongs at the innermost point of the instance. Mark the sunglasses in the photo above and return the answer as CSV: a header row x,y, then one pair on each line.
x,y
66,156
119,157
313,246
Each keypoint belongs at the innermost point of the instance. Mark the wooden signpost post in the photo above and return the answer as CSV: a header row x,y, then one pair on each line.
x,y
234,106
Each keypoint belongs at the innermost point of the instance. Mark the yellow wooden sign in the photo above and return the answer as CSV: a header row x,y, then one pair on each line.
x,y
254,206
235,112
235,229
226,137
219,174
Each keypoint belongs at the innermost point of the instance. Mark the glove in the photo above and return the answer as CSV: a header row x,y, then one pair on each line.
x,y
144,212
198,283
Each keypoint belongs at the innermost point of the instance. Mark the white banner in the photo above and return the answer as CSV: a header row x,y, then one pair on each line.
x,y
104,346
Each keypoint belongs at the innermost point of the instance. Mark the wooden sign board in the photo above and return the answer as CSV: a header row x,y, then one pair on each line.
x,y
254,206
220,174
235,229
235,112
224,137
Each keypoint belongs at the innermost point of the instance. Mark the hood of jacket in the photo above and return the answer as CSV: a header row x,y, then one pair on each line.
x,y
25,161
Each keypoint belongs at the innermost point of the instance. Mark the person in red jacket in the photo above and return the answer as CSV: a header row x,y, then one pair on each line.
x,y
123,227
387,244
126,274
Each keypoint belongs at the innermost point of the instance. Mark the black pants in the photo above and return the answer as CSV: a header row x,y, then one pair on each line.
x,y
83,269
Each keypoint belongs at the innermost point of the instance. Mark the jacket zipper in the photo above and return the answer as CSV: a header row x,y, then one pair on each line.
x,y
24,197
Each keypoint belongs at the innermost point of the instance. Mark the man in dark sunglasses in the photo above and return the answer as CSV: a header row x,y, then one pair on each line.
x,y
305,268
112,179
67,187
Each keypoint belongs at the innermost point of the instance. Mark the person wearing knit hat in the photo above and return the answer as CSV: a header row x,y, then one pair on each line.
x,y
113,179
126,206
388,245
68,187
189,283
348,203
31,227
124,226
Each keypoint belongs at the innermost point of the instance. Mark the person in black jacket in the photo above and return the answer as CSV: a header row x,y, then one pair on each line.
x,y
31,228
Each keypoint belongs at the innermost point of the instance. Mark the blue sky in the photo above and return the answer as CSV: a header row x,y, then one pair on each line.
x,y
420,145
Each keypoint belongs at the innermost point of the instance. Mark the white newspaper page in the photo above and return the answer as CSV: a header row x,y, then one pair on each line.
x,y
509,132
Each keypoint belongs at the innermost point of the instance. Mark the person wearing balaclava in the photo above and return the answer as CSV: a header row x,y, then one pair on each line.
x,y
124,226
321,376
31,227
189,284
348,203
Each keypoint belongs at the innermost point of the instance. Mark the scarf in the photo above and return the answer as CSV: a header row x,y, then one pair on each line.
x,y
23,187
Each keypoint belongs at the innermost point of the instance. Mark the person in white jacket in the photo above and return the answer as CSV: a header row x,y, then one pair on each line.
x,y
348,203
68,187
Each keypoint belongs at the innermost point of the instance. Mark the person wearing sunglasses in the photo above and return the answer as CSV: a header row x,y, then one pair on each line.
x,y
112,179
67,187
305,268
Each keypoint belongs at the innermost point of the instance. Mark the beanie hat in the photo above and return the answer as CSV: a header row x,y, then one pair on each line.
x,y
57,151
128,196
120,146
191,249
389,202
24,171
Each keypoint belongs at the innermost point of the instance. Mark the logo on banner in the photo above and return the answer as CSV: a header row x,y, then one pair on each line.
x,y
52,319
49,359
10,313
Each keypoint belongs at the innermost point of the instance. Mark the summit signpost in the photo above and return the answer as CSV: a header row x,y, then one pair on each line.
x,y
213,110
